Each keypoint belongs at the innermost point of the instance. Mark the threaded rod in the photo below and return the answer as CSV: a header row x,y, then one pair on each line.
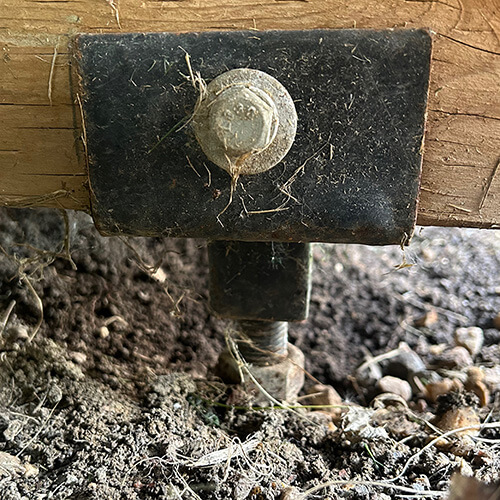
x,y
263,342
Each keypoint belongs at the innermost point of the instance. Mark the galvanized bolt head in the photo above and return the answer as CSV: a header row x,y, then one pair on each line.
x,y
246,122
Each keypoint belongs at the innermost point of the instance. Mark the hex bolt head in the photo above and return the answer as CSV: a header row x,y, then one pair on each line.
x,y
243,119
247,120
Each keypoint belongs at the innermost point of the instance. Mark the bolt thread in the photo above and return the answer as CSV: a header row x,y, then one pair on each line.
x,y
263,342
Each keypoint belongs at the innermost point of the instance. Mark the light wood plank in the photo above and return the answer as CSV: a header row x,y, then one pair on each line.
x,y
41,156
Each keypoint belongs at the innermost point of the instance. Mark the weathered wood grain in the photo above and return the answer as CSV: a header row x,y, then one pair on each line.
x,y
41,153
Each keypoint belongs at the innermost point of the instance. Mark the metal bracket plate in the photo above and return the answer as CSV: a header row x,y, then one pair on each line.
x,y
351,176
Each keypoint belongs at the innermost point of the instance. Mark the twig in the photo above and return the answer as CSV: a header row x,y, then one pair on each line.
x,y
147,268
178,126
272,210
285,188
234,172
198,84
268,408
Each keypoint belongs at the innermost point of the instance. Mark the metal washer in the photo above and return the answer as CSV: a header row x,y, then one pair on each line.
x,y
259,161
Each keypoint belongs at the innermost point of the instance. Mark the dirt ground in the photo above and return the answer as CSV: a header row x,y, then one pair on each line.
x,y
114,397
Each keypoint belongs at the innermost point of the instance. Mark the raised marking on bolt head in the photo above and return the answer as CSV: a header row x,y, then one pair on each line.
x,y
243,120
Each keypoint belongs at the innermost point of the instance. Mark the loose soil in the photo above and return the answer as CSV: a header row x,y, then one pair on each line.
x,y
115,398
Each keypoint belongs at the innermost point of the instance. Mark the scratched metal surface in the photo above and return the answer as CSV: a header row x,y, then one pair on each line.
x,y
351,176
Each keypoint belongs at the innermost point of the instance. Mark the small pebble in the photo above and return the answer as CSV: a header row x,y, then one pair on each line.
x,y
406,364
420,406
14,428
435,389
428,254
54,394
30,470
471,338
10,465
78,357
460,417
464,468
492,377
116,323
475,383
290,493
496,321
475,373
103,332
368,375
469,488
395,386
429,318
437,349
422,483
458,357
325,395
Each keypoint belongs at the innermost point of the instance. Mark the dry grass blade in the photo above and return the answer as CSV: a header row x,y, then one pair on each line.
x,y
40,429
380,484
28,267
51,75
493,425
35,201
39,304
236,449
389,483
402,348
406,298
244,369
25,278
6,316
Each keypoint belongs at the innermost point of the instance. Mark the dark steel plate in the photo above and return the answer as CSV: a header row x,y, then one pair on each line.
x,y
352,174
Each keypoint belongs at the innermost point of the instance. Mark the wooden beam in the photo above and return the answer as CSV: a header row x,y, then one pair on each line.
x,y
41,153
